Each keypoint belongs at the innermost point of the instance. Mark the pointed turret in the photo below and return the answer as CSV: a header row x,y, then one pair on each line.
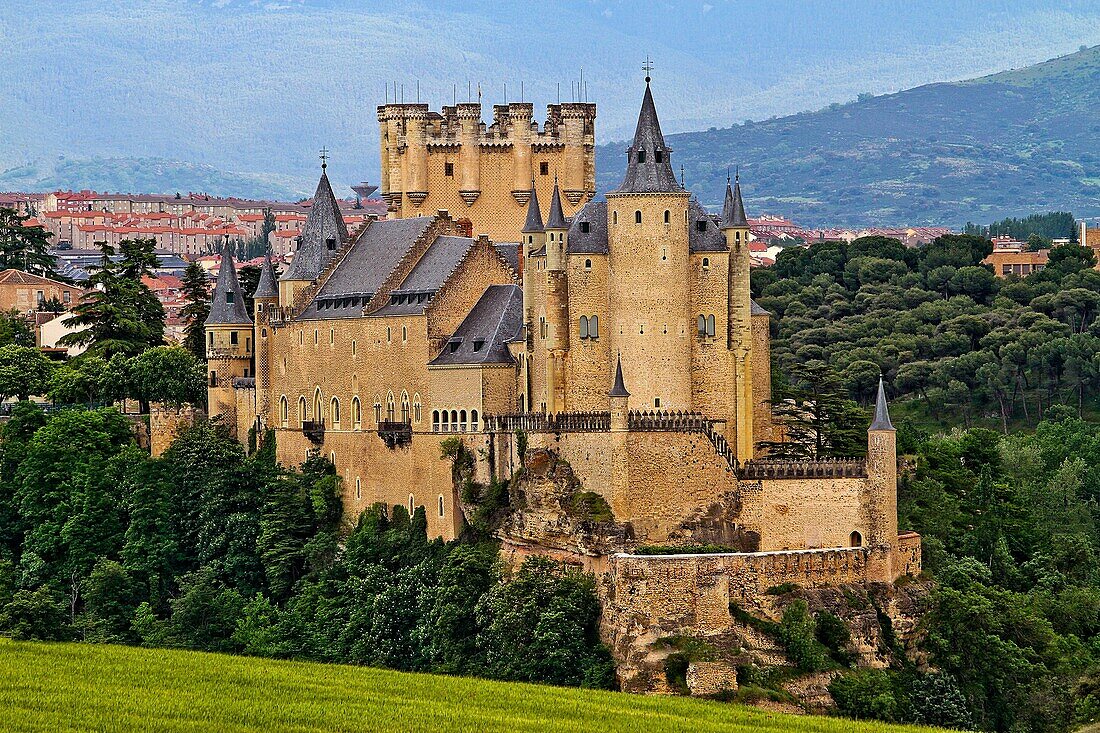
x,y
648,164
533,225
267,287
882,411
619,388
733,210
227,302
556,217
323,233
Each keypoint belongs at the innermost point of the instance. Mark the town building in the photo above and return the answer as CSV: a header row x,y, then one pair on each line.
x,y
25,292
1011,257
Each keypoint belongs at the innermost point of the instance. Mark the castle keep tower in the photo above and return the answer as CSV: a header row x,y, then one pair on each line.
x,y
452,160
649,268
228,341
557,304
735,227
323,234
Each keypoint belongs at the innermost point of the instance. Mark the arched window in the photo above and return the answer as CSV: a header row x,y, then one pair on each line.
x,y
404,406
584,327
462,420
706,263
417,415
441,505
335,410
474,426
666,216
358,488
702,325
356,413
284,411
855,539
318,411
594,327
638,217
446,422
614,217
391,407
332,458
588,264
435,421
454,420
301,410
710,325
377,410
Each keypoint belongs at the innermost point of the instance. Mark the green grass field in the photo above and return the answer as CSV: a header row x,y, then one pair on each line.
x,y
77,687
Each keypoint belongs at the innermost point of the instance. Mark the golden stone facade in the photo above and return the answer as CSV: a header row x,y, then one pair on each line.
x,y
451,160
619,334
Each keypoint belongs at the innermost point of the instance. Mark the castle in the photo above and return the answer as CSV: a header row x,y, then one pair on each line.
x,y
618,336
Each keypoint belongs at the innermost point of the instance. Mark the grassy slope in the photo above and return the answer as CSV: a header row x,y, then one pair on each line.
x,y
1018,142
74,687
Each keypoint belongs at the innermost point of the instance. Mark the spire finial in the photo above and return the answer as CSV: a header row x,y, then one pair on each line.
x,y
647,67
618,389
727,175
324,158
736,174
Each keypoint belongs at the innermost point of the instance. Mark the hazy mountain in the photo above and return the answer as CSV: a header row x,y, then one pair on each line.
x,y
1020,141
261,85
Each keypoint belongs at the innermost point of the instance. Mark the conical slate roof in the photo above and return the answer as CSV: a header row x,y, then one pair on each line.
x,y
882,412
733,210
227,302
556,218
533,225
323,223
648,164
267,287
619,388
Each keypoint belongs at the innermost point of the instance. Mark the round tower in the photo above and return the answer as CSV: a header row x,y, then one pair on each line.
x,y
735,227
229,342
557,304
882,493
531,238
265,307
649,270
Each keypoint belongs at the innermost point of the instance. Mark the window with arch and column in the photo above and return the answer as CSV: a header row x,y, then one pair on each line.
x,y
435,421
417,410
356,413
406,413
318,406
377,410
301,410
391,407
474,426
284,411
462,420
334,410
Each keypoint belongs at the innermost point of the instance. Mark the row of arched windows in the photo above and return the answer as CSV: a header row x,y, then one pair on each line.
x,y
410,411
706,326
590,327
455,421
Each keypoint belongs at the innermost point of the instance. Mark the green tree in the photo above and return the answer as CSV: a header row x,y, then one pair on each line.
x,y
24,371
25,247
168,374
15,330
196,290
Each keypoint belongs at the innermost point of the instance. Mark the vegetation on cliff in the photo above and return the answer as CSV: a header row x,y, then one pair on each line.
x,y
211,549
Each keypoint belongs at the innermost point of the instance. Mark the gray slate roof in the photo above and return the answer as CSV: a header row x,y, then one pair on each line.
x,y
267,287
427,276
533,225
650,175
227,301
733,209
619,388
594,241
324,223
482,338
509,252
882,412
756,310
556,218
710,238
367,264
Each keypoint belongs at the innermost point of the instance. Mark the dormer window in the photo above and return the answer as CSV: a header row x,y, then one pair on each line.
x,y
331,243
585,227
659,155
452,347
701,225
479,344
229,297
641,156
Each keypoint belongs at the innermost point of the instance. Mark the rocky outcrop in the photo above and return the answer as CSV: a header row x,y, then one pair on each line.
x,y
551,510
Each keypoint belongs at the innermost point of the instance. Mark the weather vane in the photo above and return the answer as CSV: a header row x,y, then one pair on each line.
x,y
324,158
647,67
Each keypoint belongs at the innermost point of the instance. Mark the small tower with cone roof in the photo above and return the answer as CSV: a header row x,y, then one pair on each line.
x,y
735,227
323,235
620,400
881,537
229,341
557,303
265,304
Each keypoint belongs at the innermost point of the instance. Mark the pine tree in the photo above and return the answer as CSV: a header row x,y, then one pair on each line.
x,y
25,247
196,288
121,315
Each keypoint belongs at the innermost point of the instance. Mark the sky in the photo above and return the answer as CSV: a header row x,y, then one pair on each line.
x,y
260,85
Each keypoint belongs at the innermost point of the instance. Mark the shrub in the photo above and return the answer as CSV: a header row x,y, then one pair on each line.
x,y
869,694
590,506
797,635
